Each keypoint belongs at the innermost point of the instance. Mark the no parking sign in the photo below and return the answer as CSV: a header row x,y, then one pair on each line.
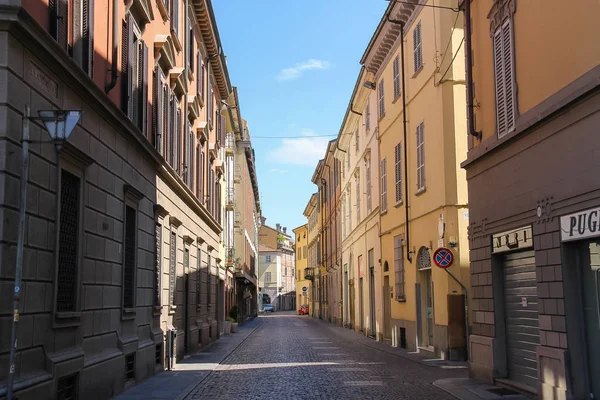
x,y
443,257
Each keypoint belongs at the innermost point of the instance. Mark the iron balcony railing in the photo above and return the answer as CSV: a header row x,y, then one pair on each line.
x,y
309,273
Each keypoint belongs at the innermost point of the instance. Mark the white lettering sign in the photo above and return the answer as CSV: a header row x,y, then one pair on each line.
x,y
520,238
580,225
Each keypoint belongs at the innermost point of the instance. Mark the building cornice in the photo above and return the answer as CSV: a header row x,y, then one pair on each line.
x,y
212,42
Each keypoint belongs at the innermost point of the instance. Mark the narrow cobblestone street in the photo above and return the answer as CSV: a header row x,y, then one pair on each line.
x,y
293,357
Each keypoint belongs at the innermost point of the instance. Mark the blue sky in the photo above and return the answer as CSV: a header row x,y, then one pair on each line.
x,y
295,64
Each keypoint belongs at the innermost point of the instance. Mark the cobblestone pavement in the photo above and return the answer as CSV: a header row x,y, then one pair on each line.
x,y
294,357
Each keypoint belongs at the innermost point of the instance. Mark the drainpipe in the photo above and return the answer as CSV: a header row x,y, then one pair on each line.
x,y
406,196
469,71
407,241
115,50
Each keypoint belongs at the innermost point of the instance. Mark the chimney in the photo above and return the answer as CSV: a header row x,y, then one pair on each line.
x,y
284,229
263,220
278,226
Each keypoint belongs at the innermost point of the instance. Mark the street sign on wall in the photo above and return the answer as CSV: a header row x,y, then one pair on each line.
x,y
443,257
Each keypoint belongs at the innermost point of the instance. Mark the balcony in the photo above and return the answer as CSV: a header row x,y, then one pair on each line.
x,y
309,273
229,144
229,256
285,246
229,199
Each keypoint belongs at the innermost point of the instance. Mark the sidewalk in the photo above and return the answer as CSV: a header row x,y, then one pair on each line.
x,y
462,388
191,371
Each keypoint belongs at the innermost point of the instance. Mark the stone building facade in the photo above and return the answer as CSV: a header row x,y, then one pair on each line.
x,y
124,224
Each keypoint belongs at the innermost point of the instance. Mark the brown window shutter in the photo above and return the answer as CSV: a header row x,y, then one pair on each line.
x,y
155,110
223,127
143,88
199,76
125,50
88,37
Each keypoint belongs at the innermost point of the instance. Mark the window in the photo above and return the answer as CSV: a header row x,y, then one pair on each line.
x,y
417,47
368,184
421,156
68,242
358,198
129,263
381,99
349,211
344,214
172,267
199,172
67,387
190,48
399,269
396,67
285,271
60,23
398,171
157,263
130,367
87,36
198,280
189,155
158,115
383,185
268,259
134,75
356,140
200,75
368,117
503,73
267,277
175,17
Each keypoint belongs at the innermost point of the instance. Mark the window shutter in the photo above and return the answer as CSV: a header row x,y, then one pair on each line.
x,y
500,83
399,269
172,267
156,111
383,185
191,50
129,265
63,24
179,153
198,167
398,171
423,155
200,76
143,88
417,43
66,294
223,129
157,263
53,7
165,120
396,77
508,57
88,36
125,64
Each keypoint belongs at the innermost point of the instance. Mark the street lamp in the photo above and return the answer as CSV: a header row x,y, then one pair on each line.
x,y
59,124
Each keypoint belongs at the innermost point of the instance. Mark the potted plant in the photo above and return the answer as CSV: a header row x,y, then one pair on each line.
x,y
233,314
227,325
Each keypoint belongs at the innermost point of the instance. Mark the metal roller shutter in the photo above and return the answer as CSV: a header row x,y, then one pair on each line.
x,y
521,310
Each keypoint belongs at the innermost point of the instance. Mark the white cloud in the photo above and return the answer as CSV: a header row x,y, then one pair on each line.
x,y
277,170
292,73
304,151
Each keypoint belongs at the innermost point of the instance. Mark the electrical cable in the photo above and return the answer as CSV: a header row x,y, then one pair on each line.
x,y
291,137
449,40
425,5
452,62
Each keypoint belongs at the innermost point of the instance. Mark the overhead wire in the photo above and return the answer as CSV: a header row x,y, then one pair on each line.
x,y
291,137
452,62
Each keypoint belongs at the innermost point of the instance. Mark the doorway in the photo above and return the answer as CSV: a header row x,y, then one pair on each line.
x,y
590,279
387,317
186,306
361,304
346,297
220,306
372,317
424,300
352,305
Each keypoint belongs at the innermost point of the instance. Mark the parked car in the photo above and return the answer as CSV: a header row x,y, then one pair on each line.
x,y
268,308
303,310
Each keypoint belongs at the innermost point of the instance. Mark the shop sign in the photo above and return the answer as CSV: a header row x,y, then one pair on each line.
x,y
581,225
515,239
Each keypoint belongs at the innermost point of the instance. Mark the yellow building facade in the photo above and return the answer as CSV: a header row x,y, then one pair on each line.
x,y
301,247
419,86
310,272
358,152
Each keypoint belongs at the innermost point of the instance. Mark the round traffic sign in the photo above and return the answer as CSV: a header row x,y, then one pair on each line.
x,y
304,289
443,257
